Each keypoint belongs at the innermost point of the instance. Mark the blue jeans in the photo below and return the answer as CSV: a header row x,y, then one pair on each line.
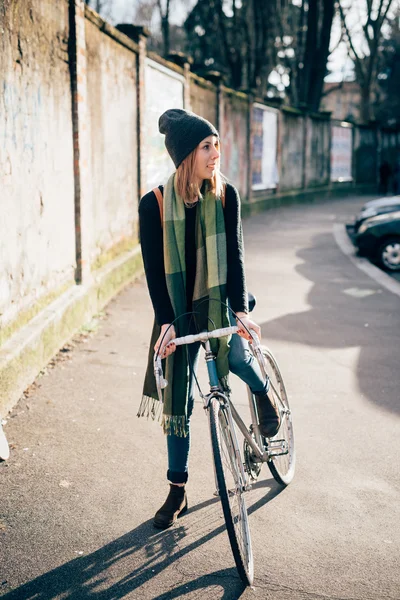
x,y
243,364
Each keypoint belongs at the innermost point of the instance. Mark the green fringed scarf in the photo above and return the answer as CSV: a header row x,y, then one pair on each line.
x,y
209,288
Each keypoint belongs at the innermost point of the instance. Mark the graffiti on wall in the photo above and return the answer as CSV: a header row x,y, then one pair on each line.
x,y
234,144
264,133
341,153
164,90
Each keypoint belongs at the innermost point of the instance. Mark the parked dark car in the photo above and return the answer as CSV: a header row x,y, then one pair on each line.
x,y
378,238
377,207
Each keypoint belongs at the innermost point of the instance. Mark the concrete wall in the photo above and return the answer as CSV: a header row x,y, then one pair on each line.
x,y
234,140
390,147
203,98
317,153
37,231
292,151
112,125
365,155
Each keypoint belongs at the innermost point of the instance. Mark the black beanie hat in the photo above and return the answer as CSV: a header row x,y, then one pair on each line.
x,y
183,132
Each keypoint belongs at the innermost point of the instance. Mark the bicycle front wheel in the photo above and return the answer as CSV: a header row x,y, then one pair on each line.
x,y
231,487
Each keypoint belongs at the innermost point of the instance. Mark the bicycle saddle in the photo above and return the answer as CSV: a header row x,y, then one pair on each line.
x,y
252,301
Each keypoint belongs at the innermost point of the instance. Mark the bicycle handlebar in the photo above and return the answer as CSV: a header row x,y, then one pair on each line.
x,y
204,336
191,339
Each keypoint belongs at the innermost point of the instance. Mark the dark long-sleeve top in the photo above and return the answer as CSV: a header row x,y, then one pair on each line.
x,y
151,238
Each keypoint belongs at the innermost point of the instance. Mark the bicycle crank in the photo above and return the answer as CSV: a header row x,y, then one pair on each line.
x,y
251,463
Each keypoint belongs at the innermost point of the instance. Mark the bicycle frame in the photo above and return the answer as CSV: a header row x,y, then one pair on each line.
x,y
253,438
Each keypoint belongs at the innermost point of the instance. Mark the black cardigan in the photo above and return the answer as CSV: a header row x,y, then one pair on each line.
x,y
151,238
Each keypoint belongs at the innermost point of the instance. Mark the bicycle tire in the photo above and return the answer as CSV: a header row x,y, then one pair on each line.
x,y
228,473
282,467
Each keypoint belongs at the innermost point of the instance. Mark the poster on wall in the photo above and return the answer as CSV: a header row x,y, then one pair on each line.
x,y
341,153
164,90
265,139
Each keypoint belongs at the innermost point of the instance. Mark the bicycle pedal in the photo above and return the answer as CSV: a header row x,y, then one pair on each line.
x,y
277,448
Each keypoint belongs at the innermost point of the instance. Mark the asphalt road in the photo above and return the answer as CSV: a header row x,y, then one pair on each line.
x,y
85,475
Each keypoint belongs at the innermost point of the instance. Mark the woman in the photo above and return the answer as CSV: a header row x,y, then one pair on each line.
x,y
193,259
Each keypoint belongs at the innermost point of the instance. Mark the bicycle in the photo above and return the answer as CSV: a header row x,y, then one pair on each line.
x,y
234,473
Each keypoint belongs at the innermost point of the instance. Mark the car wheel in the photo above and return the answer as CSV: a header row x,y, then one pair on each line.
x,y
389,254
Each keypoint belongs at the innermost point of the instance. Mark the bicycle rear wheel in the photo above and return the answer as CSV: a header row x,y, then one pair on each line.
x,y
281,447
231,487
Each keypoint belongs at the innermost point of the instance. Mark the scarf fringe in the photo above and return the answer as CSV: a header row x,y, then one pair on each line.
x,y
175,425
150,407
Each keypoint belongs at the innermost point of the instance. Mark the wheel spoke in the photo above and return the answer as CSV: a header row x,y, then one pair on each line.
x,y
281,466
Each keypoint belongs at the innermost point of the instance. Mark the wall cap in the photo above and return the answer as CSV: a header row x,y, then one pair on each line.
x,y
109,30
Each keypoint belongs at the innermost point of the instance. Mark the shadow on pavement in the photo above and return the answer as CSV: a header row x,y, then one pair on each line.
x,y
105,574
346,312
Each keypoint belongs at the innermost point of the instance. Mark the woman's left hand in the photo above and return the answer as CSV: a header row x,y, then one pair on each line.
x,y
244,322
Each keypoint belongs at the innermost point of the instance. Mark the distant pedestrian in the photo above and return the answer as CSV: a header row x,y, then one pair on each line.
x,y
192,246
385,172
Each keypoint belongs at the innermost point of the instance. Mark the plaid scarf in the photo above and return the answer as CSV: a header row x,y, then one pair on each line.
x,y
209,290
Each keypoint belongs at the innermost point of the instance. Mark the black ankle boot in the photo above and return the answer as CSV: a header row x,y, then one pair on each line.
x,y
174,506
269,418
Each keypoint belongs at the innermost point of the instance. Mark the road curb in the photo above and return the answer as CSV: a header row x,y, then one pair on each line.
x,y
345,245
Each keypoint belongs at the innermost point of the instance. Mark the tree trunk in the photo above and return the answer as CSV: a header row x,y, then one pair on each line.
x,y
316,84
365,108
304,81
165,34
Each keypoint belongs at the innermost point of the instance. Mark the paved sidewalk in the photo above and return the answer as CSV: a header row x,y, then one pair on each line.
x,y
85,475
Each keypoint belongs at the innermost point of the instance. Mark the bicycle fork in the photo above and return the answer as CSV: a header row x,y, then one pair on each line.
x,y
225,406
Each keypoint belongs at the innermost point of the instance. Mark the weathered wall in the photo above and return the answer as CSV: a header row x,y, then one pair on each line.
x,y
317,154
203,98
390,147
112,123
37,231
365,155
234,138
164,89
292,149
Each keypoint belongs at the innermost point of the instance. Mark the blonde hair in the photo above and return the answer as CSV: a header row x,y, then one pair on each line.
x,y
185,175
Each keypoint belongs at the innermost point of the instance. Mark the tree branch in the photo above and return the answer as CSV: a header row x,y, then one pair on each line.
x,y
359,65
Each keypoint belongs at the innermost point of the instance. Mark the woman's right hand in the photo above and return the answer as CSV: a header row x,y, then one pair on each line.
x,y
168,347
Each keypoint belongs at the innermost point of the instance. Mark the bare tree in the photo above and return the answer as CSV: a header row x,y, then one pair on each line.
x,y
365,51
303,37
234,37
164,10
103,7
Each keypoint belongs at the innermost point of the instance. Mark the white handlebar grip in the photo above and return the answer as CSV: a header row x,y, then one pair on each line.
x,y
221,332
187,339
